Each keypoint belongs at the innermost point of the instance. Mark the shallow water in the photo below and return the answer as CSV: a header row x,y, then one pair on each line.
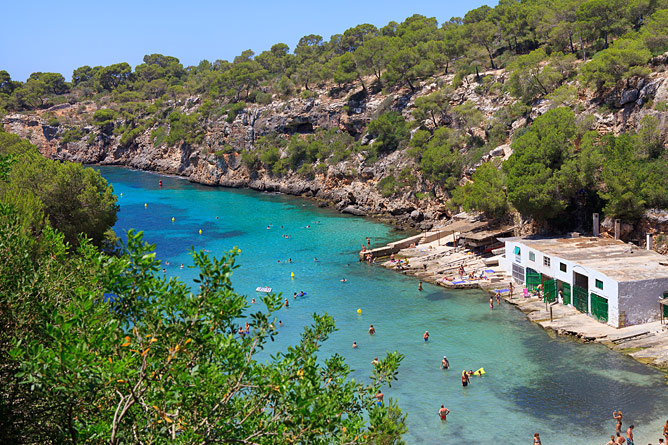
x,y
534,383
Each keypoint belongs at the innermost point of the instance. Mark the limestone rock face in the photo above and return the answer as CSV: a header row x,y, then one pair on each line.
x,y
352,185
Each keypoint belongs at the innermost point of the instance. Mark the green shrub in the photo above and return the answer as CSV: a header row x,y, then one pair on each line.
x,y
660,106
159,136
270,157
387,186
71,135
234,110
307,171
104,117
390,131
129,136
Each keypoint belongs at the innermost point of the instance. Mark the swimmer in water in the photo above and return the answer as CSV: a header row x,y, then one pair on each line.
x,y
181,266
465,379
445,364
375,361
443,413
372,330
420,285
379,397
294,295
354,345
286,303
426,336
253,300
343,280
280,323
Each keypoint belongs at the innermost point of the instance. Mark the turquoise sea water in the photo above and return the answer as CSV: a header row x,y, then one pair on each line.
x,y
534,383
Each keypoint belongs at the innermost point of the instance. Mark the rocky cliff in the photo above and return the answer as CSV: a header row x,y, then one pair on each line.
x,y
349,185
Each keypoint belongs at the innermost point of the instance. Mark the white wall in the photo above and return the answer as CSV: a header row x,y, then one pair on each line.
x,y
610,286
639,300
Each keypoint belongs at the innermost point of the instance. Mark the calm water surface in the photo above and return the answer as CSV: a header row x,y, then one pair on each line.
x,y
534,383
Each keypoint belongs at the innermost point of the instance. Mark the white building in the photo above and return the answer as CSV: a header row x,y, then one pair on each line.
x,y
615,282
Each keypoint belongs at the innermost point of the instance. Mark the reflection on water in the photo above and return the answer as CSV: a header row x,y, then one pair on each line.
x,y
534,383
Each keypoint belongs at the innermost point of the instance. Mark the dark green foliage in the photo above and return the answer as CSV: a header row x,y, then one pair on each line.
x,y
441,161
485,194
66,196
387,186
234,110
184,128
389,131
623,59
71,354
534,171
72,135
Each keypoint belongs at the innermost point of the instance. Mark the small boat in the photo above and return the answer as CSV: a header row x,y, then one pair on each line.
x,y
265,289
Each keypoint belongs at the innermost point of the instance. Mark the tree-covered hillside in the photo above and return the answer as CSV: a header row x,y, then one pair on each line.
x,y
538,55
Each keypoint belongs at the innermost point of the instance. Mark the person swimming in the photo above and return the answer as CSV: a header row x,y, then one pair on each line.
x,y
354,345
445,364
443,413
253,300
343,280
372,330
426,336
286,303
465,379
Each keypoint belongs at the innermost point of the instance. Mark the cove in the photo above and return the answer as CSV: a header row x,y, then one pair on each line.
x,y
534,382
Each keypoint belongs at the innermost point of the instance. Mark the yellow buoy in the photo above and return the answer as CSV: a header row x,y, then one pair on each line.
x,y
121,195
238,250
145,205
292,274
200,231
172,219
359,311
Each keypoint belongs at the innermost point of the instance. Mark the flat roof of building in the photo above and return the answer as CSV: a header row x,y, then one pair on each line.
x,y
616,259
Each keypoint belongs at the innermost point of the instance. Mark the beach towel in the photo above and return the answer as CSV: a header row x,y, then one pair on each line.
x,y
458,282
501,291
489,270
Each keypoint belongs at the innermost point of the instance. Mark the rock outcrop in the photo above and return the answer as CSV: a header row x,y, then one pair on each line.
x,y
351,186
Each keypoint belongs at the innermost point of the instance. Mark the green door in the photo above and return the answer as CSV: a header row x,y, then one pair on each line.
x,y
550,290
665,311
580,299
566,291
599,307
533,279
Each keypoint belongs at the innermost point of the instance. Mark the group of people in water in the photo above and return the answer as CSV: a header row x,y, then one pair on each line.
x,y
445,364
